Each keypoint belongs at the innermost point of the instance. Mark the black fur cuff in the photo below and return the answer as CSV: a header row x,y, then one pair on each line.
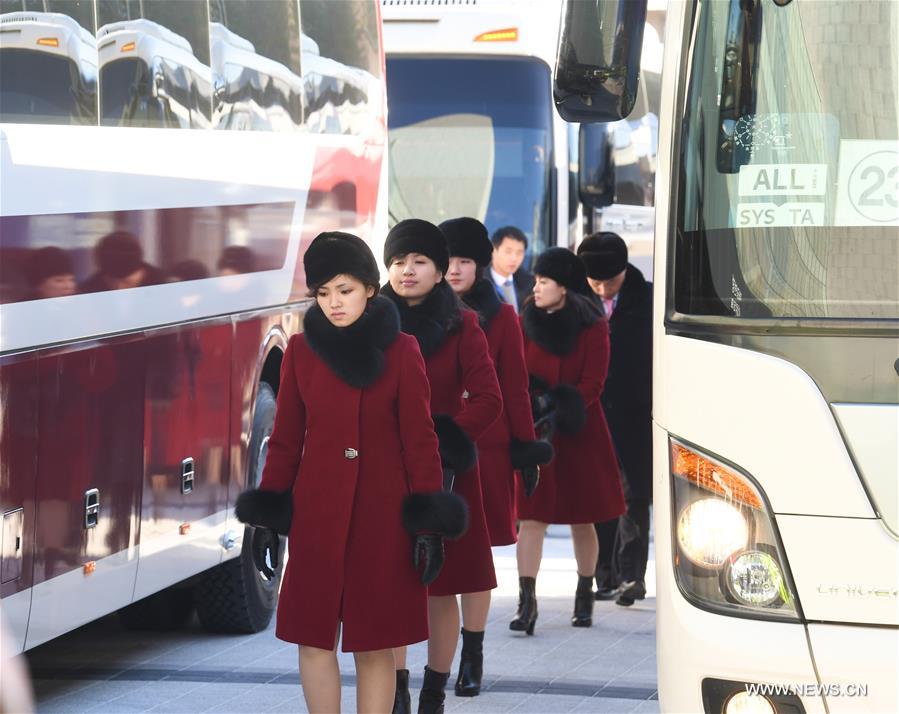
x,y
530,453
439,512
457,450
571,412
269,509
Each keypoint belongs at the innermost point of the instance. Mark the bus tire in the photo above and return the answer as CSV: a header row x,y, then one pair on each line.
x,y
169,609
235,597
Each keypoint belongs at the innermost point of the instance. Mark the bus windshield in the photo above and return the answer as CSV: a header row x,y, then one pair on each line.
x,y
471,137
789,162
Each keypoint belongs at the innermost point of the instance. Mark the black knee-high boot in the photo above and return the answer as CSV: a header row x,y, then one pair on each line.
x,y
583,602
526,617
471,664
402,702
430,700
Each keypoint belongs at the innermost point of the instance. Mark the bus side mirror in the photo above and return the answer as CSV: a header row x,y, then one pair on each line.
x,y
598,62
596,170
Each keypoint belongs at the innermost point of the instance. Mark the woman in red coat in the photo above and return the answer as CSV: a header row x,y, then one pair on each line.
x,y
465,400
566,343
509,444
353,470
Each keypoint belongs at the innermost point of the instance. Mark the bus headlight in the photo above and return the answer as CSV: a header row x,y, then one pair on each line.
x,y
710,530
727,555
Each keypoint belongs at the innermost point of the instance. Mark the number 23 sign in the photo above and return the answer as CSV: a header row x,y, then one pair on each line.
x,y
868,184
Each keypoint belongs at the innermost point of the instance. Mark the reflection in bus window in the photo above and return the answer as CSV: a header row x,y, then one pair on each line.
x,y
256,65
41,255
48,63
154,63
339,76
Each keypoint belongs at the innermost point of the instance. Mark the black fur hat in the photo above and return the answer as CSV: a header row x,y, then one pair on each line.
x,y
335,253
417,236
468,238
47,263
604,255
563,266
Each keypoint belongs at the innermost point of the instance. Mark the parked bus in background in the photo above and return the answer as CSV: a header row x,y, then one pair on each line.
x,y
164,164
471,126
776,379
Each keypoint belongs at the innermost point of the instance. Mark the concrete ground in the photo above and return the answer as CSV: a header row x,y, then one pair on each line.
x,y
607,668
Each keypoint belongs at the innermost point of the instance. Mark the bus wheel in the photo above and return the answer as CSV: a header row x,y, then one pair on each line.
x,y
169,609
235,597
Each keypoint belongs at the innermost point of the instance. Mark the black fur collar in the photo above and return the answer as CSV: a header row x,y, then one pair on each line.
x,y
354,353
433,319
557,332
483,299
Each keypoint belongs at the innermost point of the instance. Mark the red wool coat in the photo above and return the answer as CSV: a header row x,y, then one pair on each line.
x,y
462,364
582,483
497,476
349,556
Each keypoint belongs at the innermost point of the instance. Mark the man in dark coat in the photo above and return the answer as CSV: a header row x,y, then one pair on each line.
x,y
627,401
512,282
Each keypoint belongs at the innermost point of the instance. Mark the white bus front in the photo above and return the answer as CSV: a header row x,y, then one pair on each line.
x,y
776,379
471,126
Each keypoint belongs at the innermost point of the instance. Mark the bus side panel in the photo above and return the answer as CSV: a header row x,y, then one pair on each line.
x,y
91,418
18,467
186,418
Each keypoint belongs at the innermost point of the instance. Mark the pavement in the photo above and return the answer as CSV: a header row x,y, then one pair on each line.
x,y
610,667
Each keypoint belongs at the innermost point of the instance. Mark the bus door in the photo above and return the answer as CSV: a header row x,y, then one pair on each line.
x,y
184,499
90,402
18,445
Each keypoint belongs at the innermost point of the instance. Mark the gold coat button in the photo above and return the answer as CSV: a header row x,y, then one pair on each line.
x,y
350,453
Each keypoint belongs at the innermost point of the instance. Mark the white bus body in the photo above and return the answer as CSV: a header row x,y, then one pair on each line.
x,y
811,413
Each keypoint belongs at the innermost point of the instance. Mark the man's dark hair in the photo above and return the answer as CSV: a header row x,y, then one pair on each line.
x,y
508,232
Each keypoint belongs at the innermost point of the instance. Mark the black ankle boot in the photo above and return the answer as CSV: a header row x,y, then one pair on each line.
x,y
402,702
526,617
430,700
583,602
471,664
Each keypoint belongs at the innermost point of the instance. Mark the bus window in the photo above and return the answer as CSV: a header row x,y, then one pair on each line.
x,y
63,254
256,64
154,63
340,77
48,62
788,196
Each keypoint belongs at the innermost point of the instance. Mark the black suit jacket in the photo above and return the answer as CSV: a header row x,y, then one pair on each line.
x,y
523,281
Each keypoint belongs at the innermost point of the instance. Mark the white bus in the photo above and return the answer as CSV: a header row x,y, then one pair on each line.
x,y
776,379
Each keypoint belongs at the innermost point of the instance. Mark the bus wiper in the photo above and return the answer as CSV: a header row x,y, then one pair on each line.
x,y
738,84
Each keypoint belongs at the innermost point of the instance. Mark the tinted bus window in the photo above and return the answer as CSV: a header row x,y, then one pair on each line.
x,y
256,64
48,62
51,256
154,63
340,63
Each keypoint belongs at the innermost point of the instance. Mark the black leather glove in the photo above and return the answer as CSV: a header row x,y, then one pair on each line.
x,y
265,542
449,478
530,475
541,404
427,551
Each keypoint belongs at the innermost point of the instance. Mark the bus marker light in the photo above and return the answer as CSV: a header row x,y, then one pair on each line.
x,y
746,703
128,47
90,567
510,34
712,476
710,531
754,578
184,529
48,41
